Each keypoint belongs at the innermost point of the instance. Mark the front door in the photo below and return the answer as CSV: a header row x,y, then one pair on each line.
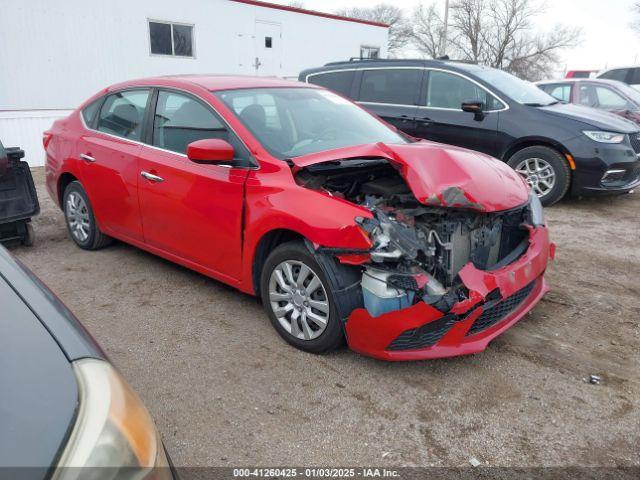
x,y
440,118
392,94
109,159
268,48
190,211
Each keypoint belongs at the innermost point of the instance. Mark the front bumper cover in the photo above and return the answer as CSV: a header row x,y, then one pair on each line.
x,y
374,336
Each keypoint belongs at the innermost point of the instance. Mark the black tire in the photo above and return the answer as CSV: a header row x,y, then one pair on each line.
x,y
29,237
333,335
95,239
557,162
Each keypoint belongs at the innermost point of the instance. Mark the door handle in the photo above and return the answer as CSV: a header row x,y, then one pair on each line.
x,y
424,120
151,177
87,158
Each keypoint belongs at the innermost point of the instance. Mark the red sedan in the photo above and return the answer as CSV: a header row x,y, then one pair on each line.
x,y
344,226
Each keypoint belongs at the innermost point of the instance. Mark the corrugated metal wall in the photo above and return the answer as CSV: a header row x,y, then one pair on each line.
x,y
55,54
24,129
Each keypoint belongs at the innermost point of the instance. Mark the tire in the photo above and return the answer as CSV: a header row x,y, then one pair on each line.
x,y
29,235
296,254
550,161
77,210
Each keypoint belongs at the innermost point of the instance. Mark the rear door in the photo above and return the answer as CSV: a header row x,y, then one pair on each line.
x,y
191,211
108,151
392,94
441,119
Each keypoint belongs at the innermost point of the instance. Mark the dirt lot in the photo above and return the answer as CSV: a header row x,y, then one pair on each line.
x,y
226,390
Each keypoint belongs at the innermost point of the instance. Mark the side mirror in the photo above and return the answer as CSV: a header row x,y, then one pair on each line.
x,y
210,150
472,106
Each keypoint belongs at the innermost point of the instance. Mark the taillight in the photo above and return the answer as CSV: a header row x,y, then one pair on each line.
x,y
46,138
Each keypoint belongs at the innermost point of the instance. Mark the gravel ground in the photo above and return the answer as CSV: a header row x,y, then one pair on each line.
x,y
225,390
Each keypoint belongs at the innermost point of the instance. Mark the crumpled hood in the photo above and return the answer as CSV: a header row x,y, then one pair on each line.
x,y
600,119
441,175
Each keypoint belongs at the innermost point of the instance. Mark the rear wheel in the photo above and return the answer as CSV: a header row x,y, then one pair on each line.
x,y
80,220
545,170
299,301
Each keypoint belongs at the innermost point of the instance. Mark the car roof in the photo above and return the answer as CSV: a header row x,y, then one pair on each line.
x,y
454,65
623,67
602,81
213,82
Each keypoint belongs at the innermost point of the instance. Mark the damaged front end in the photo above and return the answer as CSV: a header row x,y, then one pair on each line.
x,y
445,274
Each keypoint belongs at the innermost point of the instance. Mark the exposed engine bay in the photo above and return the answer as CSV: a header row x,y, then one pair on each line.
x,y
418,250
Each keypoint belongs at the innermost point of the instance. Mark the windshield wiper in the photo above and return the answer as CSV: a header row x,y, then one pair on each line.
x,y
540,104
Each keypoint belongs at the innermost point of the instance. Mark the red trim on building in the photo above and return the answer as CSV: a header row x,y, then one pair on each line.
x,y
310,12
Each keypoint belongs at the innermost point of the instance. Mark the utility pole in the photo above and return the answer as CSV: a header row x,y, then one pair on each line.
x,y
443,45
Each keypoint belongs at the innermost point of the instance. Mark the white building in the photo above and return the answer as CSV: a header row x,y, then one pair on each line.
x,y
56,53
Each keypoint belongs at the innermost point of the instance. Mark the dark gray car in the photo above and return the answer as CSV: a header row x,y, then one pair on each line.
x,y
62,404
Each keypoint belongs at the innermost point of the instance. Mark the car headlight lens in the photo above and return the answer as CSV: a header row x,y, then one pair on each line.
x,y
604,137
537,213
113,429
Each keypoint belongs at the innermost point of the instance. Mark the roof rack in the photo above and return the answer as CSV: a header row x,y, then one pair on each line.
x,y
444,58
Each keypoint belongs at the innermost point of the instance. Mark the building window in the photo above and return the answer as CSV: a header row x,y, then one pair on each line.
x,y
174,39
369,52
268,42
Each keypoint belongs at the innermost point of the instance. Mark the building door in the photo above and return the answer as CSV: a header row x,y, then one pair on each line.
x,y
268,49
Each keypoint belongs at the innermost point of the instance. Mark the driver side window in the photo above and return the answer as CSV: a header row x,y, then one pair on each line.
x,y
180,119
446,90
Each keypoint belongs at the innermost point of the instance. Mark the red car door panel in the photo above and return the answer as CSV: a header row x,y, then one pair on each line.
x,y
109,174
109,159
195,211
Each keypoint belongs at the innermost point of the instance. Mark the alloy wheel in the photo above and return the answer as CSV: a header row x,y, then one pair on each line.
x,y
78,217
539,174
299,300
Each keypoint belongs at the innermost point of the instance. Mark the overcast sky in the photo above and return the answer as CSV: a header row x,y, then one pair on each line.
x,y
607,40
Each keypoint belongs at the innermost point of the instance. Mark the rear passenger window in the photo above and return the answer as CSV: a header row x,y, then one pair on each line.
x,y
180,120
396,86
619,74
122,114
339,82
635,76
89,112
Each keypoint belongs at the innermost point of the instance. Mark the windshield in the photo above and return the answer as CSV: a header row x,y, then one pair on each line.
x,y
291,122
631,93
518,90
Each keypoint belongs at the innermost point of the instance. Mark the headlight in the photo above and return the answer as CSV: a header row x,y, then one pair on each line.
x,y
112,429
537,213
604,137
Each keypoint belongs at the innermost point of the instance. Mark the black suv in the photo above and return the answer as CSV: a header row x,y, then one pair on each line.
x,y
557,147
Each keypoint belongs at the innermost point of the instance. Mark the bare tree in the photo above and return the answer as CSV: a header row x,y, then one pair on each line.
x,y
428,30
295,4
399,30
500,34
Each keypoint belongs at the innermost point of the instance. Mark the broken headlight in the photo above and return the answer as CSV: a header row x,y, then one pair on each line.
x,y
535,207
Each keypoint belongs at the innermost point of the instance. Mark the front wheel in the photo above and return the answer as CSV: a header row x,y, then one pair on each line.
x,y
299,301
545,170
